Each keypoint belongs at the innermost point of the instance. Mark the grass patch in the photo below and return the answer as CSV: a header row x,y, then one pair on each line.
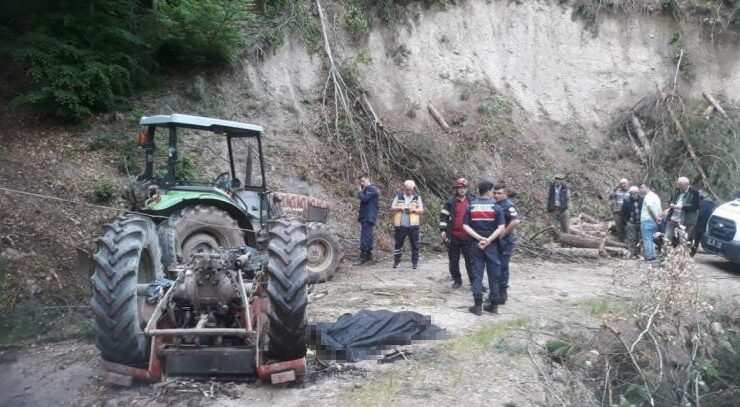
x,y
597,307
487,337
381,390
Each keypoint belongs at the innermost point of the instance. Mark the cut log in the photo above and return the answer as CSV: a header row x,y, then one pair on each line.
x,y
614,243
635,146
616,252
438,117
588,218
712,101
577,252
567,239
708,111
689,147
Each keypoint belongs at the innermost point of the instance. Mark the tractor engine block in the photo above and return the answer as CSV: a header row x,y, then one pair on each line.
x,y
209,284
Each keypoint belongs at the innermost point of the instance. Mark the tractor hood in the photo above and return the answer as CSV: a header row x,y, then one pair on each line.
x,y
180,194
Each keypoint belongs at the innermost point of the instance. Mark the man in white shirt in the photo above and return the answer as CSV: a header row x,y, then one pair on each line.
x,y
649,218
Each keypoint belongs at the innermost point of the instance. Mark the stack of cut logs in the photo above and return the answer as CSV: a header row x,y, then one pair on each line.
x,y
590,238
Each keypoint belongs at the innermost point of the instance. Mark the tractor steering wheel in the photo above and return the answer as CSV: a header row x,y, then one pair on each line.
x,y
223,181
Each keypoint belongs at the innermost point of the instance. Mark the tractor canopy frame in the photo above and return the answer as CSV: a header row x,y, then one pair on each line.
x,y
230,129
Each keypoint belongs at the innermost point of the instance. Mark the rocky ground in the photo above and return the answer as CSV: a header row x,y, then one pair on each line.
x,y
490,360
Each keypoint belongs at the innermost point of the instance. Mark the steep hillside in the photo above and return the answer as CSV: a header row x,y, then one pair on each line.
x,y
528,88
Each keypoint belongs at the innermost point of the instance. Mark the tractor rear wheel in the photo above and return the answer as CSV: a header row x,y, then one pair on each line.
x,y
127,254
324,253
195,229
286,288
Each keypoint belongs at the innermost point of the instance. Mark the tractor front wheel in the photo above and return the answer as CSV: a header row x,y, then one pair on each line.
x,y
195,229
128,254
286,288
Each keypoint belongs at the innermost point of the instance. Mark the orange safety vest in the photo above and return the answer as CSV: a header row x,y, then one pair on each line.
x,y
401,203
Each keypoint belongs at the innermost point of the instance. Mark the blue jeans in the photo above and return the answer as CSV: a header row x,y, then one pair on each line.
x,y
647,228
366,236
505,251
485,260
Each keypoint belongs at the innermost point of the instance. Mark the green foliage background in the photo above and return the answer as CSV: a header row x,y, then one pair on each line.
x,y
87,56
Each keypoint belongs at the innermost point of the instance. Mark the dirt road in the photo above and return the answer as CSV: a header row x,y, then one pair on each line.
x,y
490,360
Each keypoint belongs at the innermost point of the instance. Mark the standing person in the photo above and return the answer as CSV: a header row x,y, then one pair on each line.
x,y
407,208
649,217
558,199
451,219
684,209
369,195
506,239
631,210
617,197
706,207
484,222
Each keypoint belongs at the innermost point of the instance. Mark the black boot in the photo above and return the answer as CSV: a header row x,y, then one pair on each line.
x,y
456,284
362,260
492,307
476,308
504,297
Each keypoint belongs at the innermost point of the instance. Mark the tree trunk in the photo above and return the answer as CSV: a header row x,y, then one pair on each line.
x,y
635,121
571,240
588,218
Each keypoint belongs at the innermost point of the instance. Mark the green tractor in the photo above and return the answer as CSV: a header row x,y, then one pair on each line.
x,y
230,211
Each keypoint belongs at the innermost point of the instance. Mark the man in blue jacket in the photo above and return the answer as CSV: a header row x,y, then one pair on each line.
x,y
484,222
706,207
369,195
558,202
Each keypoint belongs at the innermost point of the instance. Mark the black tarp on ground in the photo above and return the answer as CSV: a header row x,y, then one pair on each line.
x,y
366,333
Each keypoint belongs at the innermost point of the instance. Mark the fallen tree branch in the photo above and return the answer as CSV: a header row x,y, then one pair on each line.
x,y
712,101
689,147
620,338
438,118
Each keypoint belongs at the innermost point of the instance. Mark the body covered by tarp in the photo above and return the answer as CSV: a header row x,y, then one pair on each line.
x,y
366,333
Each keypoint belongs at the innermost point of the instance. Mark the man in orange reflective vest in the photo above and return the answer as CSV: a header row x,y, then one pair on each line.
x,y
407,209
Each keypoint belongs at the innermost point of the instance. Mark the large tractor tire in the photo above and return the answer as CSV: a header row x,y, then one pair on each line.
x,y
195,229
324,253
286,288
127,254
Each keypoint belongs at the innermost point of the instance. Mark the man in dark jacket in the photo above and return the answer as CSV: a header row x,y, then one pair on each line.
x,y
684,210
631,209
452,231
558,200
369,195
706,207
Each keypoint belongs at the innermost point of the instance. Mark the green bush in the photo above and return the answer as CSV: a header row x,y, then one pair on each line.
x,y
104,192
201,31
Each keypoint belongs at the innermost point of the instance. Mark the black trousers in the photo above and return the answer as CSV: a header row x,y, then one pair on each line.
x,y
456,247
413,234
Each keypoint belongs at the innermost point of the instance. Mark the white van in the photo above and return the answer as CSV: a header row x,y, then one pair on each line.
x,y
723,231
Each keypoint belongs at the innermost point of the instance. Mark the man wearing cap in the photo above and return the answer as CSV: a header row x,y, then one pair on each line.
x,y
484,222
452,231
558,199
617,198
630,213
407,209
